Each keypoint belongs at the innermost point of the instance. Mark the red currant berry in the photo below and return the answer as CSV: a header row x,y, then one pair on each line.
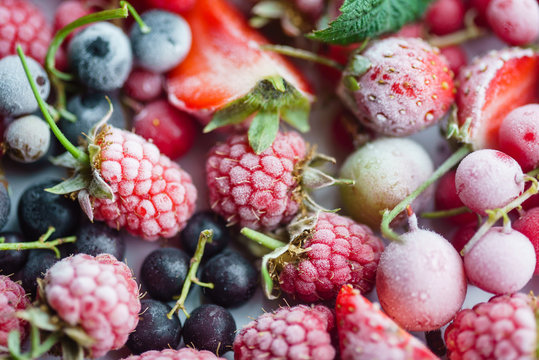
x,y
143,85
463,235
514,21
456,57
178,6
446,198
445,16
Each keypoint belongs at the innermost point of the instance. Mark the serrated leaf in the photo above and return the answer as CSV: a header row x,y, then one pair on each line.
x,y
232,114
263,130
75,183
297,115
362,19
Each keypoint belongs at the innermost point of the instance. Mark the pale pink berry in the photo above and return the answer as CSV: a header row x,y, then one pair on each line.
x,y
12,299
170,354
514,21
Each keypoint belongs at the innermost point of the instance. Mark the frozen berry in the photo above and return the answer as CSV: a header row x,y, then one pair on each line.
x,y
234,279
514,21
170,354
445,16
455,56
463,235
5,205
165,46
101,56
39,261
16,97
12,299
11,261
98,238
480,6
210,327
163,273
39,209
27,139
155,331
205,220
528,224
143,85
69,11
179,6
172,131
446,198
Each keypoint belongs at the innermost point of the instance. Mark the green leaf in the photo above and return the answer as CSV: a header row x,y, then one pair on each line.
x,y
362,19
297,114
14,342
76,183
232,114
357,65
263,130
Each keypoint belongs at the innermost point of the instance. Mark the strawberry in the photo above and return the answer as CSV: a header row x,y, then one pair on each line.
x,y
226,75
367,333
490,88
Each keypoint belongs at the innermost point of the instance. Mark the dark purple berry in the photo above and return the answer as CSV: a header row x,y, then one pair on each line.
x,y
98,238
39,261
205,220
5,205
12,261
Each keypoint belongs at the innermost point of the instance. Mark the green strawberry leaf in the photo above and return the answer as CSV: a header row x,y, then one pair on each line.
x,y
263,130
362,19
297,115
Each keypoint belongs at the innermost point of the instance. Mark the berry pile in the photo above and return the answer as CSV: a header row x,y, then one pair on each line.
x,y
437,174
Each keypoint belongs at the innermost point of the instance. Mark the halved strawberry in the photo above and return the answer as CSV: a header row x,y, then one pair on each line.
x,y
226,75
491,87
366,333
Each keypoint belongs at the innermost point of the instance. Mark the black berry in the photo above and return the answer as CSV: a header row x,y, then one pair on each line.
x,y
39,261
12,261
5,205
98,238
205,220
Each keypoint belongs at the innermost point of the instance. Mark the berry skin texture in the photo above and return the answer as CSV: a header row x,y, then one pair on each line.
x,y
502,328
254,191
446,198
154,197
27,139
98,238
12,299
5,205
143,85
514,21
171,130
299,332
22,23
366,333
407,88
341,252
97,293
169,354
502,261
445,16
420,281
488,179
528,224
11,261
39,261
205,220
519,136
101,56
16,97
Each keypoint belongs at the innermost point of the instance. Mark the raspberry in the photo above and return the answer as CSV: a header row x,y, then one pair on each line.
x,y
154,197
502,328
255,191
12,299
97,293
170,354
23,23
341,251
299,332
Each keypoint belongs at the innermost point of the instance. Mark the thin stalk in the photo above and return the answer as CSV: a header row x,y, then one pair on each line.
x,y
262,239
445,213
41,243
471,31
388,216
143,27
302,54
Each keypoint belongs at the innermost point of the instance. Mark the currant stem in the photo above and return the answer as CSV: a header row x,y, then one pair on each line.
x,y
73,150
262,239
41,243
143,27
388,216
302,54
445,213
471,31
205,236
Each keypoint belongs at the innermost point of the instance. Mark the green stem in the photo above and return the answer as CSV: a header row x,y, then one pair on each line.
x,y
302,54
41,243
262,239
143,27
496,214
445,213
205,236
471,31
534,173
73,150
388,216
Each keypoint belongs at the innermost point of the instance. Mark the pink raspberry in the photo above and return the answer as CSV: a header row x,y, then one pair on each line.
x,y
299,332
12,299
154,197
255,191
98,294
23,23
169,354
502,328
341,252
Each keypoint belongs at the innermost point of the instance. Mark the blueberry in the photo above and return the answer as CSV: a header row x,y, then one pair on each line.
x,y
205,220
234,279
163,273
98,238
165,46
101,56
39,209
12,261
210,327
154,330
89,109
27,139
16,96
5,205
39,261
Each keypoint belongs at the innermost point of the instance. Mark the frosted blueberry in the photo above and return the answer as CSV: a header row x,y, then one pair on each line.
x,y
165,46
101,56
27,139
16,97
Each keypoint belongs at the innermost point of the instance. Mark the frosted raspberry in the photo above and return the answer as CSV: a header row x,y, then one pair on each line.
x,y
12,299
97,293
502,328
341,252
299,332
169,354
154,197
251,190
23,23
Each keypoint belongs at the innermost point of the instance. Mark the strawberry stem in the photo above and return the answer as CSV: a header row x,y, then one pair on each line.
x,y
73,150
389,216
205,236
302,54
41,243
262,239
445,213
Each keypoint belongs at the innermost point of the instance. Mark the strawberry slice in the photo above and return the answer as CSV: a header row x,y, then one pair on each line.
x,y
226,75
367,333
490,88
